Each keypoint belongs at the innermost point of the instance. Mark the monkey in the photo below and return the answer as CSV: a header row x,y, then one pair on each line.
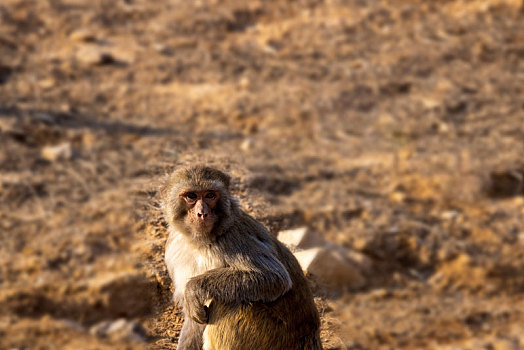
x,y
239,287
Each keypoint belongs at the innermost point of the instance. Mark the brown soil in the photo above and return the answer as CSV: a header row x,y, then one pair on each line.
x,y
395,128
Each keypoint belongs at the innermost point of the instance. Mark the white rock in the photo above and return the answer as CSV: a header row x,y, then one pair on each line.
x,y
91,55
62,151
247,144
82,35
330,269
359,260
450,215
302,238
119,329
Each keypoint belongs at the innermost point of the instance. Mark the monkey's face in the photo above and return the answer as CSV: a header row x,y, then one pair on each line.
x,y
200,208
197,203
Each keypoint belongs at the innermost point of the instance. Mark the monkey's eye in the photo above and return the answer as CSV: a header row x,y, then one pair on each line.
x,y
211,195
191,195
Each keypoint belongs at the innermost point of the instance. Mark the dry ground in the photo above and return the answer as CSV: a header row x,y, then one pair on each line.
x,y
395,128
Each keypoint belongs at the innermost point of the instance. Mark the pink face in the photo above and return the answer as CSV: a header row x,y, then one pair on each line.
x,y
200,207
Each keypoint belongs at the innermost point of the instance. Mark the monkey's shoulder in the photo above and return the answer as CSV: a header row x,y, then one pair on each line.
x,y
246,224
244,236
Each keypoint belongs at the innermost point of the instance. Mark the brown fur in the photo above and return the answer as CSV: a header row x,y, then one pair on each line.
x,y
240,287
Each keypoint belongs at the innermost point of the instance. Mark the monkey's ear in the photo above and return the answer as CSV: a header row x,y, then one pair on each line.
x,y
226,179
216,174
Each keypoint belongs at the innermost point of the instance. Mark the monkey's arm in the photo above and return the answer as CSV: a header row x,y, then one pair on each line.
x,y
254,274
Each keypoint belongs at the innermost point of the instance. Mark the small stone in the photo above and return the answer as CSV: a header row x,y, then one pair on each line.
x,y
330,269
361,243
10,125
62,151
302,238
119,329
397,197
445,347
363,262
449,215
386,120
429,102
164,49
122,55
504,344
65,107
44,117
519,201
244,82
380,293
247,144
88,139
184,43
47,83
517,333
82,35
94,56
353,257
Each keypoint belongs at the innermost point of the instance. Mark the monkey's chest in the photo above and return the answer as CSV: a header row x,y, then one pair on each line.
x,y
184,263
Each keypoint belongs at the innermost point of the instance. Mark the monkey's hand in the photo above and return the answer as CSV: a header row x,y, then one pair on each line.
x,y
196,303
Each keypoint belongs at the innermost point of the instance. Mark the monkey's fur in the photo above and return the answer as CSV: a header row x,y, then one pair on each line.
x,y
240,288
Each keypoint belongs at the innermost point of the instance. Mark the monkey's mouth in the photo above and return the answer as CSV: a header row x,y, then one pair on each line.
x,y
205,226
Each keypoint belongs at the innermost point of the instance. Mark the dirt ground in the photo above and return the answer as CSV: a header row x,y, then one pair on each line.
x,y
391,128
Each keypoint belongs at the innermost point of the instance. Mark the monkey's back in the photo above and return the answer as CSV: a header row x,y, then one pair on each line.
x,y
290,322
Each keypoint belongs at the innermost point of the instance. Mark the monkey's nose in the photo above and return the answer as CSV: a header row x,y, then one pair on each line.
x,y
202,215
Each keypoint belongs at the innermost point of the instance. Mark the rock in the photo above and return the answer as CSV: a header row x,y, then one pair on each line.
x,y
94,56
447,347
123,54
72,324
302,238
247,144
82,35
353,257
88,139
47,83
380,293
397,197
506,183
63,151
44,117
450,215
186,43
504,344
361,243
517,333
164,49
126,294
330,269
244,83
10,125
120,329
